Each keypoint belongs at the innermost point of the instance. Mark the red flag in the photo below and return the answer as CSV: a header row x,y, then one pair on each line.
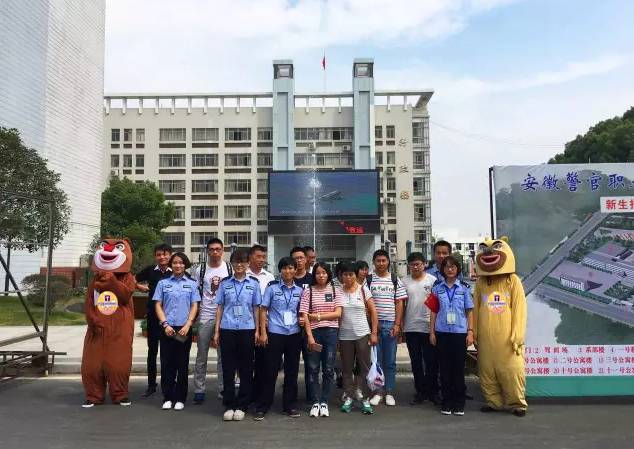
x,y
433,303
323,62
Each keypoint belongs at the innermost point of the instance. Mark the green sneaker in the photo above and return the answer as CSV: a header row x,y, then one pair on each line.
x,y
346,407
366,408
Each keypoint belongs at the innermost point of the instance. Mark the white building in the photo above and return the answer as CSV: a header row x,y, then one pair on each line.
x,y
51,88
211,153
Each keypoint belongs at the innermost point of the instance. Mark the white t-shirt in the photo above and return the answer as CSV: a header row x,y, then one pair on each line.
x,y
213,276
354,321
417,314
263,277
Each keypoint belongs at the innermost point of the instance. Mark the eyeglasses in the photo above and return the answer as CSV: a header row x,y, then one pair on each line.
x,y
416,265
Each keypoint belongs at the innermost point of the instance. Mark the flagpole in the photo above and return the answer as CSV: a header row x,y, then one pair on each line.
x,y
324,67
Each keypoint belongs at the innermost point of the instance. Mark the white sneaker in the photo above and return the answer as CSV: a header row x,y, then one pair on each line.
x,y
167,405
238,415
314,410
228,415
323,410
376,399
358,395
389,400
179,406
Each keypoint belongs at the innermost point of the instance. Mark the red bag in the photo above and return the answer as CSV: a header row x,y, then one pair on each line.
x,y
433,303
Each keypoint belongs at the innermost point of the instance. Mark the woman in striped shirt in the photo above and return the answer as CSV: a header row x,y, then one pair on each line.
x,y
320,308
356,337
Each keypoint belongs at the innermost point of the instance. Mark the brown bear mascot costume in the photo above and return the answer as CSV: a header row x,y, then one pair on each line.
x,y
107,357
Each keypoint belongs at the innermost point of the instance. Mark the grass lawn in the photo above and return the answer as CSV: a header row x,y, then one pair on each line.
x,y
13,314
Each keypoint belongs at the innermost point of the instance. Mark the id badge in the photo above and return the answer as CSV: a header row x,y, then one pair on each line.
x,y
237,311
451,317
289,318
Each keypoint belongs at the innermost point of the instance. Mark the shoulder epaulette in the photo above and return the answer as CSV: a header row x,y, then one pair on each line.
x,y
253,278
225,278
273,282
465,284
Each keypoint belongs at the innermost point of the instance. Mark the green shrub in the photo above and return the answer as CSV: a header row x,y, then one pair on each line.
x,y
35,285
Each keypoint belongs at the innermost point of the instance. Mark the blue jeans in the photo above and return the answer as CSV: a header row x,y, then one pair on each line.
x,y
386,351
327,338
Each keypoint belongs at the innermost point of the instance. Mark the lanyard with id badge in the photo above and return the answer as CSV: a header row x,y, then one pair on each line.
x,y
290,318
451,313
238,309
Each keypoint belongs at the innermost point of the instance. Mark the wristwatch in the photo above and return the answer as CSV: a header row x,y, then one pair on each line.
x,y
164,324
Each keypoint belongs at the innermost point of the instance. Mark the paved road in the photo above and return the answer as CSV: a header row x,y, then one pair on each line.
x,y
611,312
533,279
46,413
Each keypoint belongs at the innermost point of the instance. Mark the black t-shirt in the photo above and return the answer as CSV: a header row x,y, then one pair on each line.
x,y
152,275
304,281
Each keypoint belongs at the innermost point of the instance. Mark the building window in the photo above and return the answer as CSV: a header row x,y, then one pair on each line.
x,y
421,186
391,236
140,134
115,135
237,185
389,132
172,134
127,135
179,212
337,134
419,212
174,239
237,212
172,186
140,160
417,133
390,183
204,212
239,238
363,70
420,238
379,158
201,238
265,134
265,160
391,210
471,246
419,161
391,158
237,134
263,212
378,132
458,246
204,134
114,160
204,186
238,160
172,160
262,237
127,160
263,186
204,160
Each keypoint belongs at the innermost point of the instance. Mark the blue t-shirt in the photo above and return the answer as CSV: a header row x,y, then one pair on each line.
x,y
282,301
176,295
456,299
238,298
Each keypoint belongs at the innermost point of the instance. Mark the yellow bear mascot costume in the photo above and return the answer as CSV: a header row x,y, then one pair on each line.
x,y
500,328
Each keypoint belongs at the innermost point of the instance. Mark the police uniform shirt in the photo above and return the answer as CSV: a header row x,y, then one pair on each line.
x,y
282,303
238,297
434,270
176,295
454,302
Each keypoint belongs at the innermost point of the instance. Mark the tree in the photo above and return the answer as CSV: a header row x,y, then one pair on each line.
x,y
611,140
138,212
24,222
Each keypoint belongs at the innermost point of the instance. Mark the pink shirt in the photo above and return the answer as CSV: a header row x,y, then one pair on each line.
x,y
324,301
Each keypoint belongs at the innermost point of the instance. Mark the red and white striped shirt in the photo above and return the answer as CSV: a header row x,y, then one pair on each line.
x,y
324,301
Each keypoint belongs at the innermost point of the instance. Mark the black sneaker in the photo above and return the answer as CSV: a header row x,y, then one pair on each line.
x,y
519,412
149,392
293,413
259,416
125,402
416,399
88,404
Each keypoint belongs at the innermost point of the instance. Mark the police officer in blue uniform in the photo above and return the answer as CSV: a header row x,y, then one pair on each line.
x,y
237,326
282,337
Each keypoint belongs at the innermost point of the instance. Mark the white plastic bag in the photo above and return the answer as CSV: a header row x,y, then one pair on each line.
x,y
376,379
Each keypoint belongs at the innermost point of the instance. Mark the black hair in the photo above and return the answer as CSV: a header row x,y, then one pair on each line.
x,y
416,256
450,260
297,249
213,240
361,264
286,262
348,267
326,268
380,252
308,248
181,256
338,268
255,248
239,255
163,247
444,243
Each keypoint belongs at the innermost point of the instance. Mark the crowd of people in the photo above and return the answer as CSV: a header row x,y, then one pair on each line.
x,y
262,326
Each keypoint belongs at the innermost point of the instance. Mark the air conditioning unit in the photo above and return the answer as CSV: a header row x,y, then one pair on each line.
x,y
312,146
389,170
114,172
390,200
346,148
392,250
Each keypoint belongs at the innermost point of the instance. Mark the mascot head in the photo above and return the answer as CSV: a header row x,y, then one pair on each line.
x,y
495,256
113,255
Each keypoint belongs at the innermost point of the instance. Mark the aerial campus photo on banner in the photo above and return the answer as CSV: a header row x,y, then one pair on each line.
x,y
572,227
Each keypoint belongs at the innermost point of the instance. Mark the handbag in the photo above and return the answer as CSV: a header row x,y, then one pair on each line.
x,y
376,379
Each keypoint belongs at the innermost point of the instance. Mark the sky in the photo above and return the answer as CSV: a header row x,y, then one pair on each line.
x,y
513,80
